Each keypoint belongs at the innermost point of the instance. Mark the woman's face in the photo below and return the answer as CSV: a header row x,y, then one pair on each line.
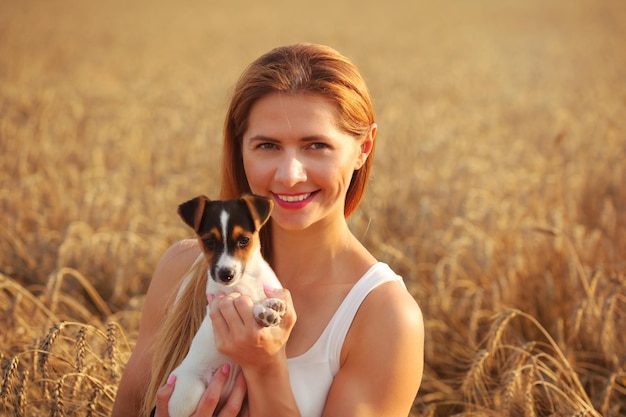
x,y
294,153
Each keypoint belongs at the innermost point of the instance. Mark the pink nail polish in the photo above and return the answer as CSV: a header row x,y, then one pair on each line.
x,y
221,293
226,368
268,288
210,297
171,380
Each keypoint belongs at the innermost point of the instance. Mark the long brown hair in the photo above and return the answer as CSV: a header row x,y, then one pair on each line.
x,y
295,69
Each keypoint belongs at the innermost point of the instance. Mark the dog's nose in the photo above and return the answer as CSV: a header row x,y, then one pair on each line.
x,y
225,274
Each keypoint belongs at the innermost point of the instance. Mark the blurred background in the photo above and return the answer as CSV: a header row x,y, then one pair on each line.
x,y
498,192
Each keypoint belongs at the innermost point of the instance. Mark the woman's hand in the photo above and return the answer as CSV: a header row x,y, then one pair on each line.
x,y
241,338
234,406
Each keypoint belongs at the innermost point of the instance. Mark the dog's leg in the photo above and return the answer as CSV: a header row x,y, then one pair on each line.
x,y
270,312
193,372
186,396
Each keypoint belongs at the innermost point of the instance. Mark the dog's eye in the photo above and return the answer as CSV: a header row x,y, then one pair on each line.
x,y
243,241
210,242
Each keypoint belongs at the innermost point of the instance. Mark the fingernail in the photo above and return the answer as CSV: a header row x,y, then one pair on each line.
x,y
210,297
221,293
268,288
171,380
226,368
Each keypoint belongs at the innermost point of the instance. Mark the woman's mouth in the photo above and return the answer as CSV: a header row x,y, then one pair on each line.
x,y
293,201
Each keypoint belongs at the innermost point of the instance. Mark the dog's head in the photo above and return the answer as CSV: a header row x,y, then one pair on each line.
x,y
228,231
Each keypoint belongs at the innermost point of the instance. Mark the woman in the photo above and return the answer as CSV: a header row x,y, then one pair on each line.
x,y
300,129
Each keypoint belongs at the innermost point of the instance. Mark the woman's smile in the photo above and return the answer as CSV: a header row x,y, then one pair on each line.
x,y
293,201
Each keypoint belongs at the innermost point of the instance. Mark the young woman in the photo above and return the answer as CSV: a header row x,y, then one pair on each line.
x,y
300,129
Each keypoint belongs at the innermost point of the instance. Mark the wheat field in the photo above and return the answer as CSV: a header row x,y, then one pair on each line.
x,y
498,192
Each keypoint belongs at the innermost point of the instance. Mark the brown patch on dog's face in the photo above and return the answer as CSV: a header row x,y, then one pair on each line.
x,y
243,243
210,242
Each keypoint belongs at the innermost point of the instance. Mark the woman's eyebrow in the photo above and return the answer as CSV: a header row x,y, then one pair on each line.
x,y
310,138
316,138
262,138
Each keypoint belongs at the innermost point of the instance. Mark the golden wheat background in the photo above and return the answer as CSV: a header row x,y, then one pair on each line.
x,y
499,187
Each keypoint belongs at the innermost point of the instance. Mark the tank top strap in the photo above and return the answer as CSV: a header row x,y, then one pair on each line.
x,y
380,273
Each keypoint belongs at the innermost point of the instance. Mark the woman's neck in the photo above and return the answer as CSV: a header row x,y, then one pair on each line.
x,y
315,254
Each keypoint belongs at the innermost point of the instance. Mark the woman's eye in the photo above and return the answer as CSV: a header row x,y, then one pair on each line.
x,y
319,145
243,241
267,145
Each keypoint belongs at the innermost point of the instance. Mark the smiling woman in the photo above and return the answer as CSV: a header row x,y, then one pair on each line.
x,y
300,129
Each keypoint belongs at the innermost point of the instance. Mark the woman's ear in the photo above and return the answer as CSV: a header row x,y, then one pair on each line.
x,y
367,145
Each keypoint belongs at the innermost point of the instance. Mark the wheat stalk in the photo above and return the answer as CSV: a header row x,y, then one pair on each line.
x,y
93,400
529,409
80,349
606,397
498,328
474,384
111,349
511,386
56,280
58,409
44,350
20,400
8,376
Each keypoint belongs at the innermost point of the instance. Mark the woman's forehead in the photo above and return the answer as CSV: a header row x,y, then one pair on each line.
x,y
295,114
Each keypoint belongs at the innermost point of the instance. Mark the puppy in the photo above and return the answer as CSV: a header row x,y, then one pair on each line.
x,y
228,234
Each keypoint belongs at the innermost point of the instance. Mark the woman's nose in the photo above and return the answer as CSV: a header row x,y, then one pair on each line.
x,y
291,171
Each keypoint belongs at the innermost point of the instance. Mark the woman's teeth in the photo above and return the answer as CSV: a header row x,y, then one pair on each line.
x,y
294,198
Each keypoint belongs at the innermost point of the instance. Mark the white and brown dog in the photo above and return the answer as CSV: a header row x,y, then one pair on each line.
x,y
228,234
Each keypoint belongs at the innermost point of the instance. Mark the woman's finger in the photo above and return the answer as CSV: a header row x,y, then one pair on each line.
x,y
163,397
220,325
232,320
235,402
232,308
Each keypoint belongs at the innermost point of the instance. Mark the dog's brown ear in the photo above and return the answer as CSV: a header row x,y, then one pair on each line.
x,y
191,211
260,207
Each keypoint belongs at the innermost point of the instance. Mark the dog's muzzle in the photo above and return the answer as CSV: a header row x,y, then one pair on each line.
x,y
225,275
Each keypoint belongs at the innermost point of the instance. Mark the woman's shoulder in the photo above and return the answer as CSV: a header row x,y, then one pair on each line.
x,y
395,292
390,306
171,269
178,257
183,250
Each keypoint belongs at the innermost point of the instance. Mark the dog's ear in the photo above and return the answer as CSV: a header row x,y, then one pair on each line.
x,y
260,207
191,211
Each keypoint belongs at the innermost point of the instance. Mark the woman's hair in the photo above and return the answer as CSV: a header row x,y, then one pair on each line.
x,y
295,69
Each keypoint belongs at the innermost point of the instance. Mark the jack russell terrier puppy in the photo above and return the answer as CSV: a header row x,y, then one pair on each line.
x,y
228,234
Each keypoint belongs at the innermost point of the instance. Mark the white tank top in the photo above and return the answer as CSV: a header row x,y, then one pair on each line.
x,y
311,374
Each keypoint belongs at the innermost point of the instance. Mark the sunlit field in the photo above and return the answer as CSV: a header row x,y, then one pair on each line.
x,y
498,192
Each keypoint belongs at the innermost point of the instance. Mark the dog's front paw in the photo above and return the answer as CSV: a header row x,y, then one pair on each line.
x,y
276,304
270,312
